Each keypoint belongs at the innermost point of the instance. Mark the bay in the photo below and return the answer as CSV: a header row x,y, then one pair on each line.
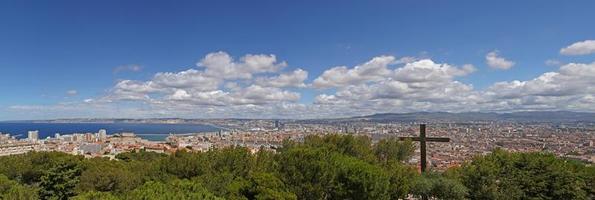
x,y
153,132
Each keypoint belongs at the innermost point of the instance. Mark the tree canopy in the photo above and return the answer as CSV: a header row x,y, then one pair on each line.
x,y
320,167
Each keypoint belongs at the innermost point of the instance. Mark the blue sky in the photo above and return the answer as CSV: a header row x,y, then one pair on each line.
x,y
87,47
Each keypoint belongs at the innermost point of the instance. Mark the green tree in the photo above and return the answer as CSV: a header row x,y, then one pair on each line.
x,y
30,167
392,149
225,171
401,178
10,189
266,186
95,196
58,182
356,146
140,156
177,189
438,186
185,165
317,173
107,176
504,175
356,179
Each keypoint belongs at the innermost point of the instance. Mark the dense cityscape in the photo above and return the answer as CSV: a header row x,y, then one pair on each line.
x,y
569,140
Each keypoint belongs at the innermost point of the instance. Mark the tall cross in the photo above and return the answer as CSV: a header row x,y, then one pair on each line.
x,y
422,139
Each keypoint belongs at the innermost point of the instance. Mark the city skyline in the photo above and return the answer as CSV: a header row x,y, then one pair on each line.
x,y
287,60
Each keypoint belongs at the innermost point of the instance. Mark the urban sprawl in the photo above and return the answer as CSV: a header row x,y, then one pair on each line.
x,y
573,141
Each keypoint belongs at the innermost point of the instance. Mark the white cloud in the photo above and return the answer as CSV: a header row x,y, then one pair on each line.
x,y
373,70
222,65
496,62
263,89
197,80
131,90
180,95
420,85
377,69
569,88
579,48
293,79
427,70
222,82
406,59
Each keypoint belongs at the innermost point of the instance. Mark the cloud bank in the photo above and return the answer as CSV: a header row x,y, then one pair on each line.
x,y
262,86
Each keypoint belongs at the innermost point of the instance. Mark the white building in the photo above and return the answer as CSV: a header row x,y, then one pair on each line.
x,y
16,148
102,135
33,135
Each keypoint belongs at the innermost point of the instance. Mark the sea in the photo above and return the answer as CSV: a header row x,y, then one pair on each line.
x,y
153,132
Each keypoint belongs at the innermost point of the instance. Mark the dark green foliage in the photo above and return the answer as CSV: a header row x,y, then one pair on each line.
x,y
12,190
183,164
59,181
392,149
107,176
177,189
266,186
435,185
28,168
327,167
140,156
355,146
320,174
401,178
95,196
503,175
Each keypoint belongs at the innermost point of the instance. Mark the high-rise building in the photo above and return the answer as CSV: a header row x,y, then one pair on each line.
x,y
278,125
102,135
33,135
89,137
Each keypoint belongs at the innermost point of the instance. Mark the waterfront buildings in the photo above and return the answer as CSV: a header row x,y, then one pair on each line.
x,y
571,140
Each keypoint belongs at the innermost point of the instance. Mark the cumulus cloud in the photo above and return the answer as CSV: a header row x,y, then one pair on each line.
x,y
426,71
406,59
293,79
194,79
579,48
420,83
373,70
222,65
218,81
264,88
572,87
496,62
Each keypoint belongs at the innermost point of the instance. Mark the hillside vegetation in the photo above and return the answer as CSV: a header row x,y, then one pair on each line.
x,y
322,167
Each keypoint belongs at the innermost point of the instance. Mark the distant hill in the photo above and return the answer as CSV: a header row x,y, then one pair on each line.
x,y
528,116
465,117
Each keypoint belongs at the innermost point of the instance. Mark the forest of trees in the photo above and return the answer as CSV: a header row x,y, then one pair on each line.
x,y
322,167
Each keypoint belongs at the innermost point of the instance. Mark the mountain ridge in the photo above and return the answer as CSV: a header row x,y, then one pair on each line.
x,y
521,116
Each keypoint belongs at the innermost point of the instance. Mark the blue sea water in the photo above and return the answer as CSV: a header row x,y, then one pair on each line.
x,y
154,132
